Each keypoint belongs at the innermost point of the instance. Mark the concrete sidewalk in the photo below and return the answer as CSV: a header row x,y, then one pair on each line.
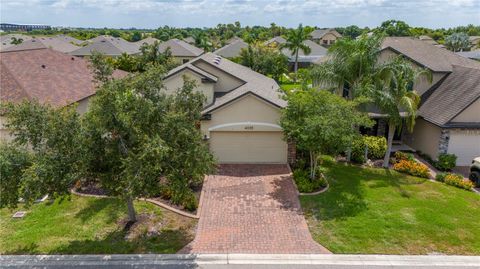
x,y
239,261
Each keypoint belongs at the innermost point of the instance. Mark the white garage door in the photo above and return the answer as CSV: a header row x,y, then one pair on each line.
x,y
248,147
465,145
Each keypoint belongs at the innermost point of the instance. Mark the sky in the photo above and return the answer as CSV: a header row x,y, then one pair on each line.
x,y
208,13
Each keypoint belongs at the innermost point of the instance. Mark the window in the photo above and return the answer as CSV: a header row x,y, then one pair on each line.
x,y
325,42
185,61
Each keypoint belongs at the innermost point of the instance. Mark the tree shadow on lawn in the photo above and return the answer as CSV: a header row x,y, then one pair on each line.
x,y
167,241
28,249
110,207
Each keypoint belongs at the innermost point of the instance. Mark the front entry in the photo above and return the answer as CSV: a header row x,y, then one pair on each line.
x,y
248,147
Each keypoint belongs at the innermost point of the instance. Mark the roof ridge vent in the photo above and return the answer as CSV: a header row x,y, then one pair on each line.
x,y
217,60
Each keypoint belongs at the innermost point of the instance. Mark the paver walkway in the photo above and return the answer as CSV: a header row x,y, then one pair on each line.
x,y
252,209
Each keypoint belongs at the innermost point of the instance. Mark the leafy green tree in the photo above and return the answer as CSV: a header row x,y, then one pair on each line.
x,y
16,41
392,92
13,161
136,36
457,42
352,31
151,55
264,59
101,66
127,62
295,42
321,123
350,64
52,134
395,28
135,134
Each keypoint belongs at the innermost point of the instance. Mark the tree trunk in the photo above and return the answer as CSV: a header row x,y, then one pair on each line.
x,y
132,215
296,66
391,132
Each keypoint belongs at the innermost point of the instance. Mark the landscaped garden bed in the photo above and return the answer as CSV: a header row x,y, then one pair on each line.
x,y
369,210
87,225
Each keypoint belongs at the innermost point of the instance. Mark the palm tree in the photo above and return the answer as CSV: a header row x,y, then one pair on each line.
x,y
349,64
392,92
295,42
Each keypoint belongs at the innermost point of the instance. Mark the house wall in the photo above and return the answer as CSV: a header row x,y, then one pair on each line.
x,y
225,83
425,137
4,133
82,105
182,59
176,81
470,114
246,109
329,38
422,84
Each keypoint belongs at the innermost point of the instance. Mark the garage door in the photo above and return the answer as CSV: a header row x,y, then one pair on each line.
x,y
465,145
248,147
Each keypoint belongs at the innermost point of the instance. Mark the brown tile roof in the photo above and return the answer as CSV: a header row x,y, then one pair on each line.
x,y
108,45
458,91
232,49
430,56
45,75
180,48
55,43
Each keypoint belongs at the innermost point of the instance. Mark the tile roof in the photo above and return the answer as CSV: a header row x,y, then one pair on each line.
x,y
319,33
459,89
5,40
180,48
108,45
316,53
149,40
45,75
253,82
432,57
70,39
277,39
232,49
55,43
189,40
474,54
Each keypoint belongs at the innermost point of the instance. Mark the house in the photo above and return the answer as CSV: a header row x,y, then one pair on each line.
x,y
232,49
47,76
149,41
242,110
317,52
54,43
181,50
429,40
6,40
325,37
474,41
449,114
70,39
190,40
107,45
473,54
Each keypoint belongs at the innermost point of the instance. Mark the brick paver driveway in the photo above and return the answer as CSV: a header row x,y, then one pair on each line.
x,y
252,209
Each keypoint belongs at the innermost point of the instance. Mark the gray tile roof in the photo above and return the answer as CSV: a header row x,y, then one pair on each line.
x,y
180,48
57,44
111,46
5,40
277,39
232,49
189,40
432,57
70,39
474,54
253,82
459,89
149,41
319,33
317,52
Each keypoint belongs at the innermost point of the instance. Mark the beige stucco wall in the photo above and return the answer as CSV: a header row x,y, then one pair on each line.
x,y
470,114
329,37
176,81
422,84
82,105
246,109
425,137
225,82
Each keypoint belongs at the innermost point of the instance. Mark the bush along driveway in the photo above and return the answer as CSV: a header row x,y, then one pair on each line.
x,y
382,211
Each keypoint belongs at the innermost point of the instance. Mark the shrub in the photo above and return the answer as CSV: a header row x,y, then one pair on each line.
x,y
402,156
190,203
458,181
446,161
377,146
412,168
305,184
441,177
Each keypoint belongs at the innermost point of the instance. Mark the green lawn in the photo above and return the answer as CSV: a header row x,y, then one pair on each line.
x,y
381,211
290,86
93,226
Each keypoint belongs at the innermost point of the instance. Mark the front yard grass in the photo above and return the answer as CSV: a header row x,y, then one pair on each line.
x,y
85,225
382,211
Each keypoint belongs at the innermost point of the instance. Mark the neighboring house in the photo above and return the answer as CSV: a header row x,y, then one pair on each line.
x,y
149,41
47,76
107,45
449,115
181,50
6,40
474,41
427,39
474,54
190,40
70,39
325,37
233,39
242,109
54,43
232,49
317,52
